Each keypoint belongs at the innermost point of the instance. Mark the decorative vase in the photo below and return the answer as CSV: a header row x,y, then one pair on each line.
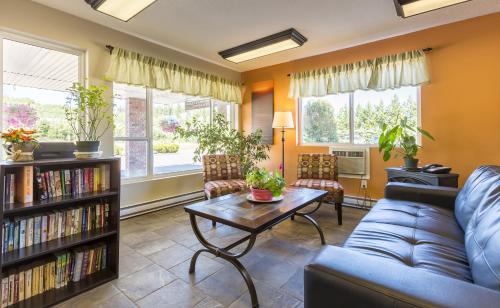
x,y
261,194
410,163
88,146
20,151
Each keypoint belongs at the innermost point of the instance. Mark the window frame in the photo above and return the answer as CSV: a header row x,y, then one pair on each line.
x,y
234,121
42,43
351,143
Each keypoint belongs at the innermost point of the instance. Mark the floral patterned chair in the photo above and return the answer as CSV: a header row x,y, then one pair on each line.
x,y
320,171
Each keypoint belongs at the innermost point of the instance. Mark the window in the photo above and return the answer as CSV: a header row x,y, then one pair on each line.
x,y
145,123
35,78
354,118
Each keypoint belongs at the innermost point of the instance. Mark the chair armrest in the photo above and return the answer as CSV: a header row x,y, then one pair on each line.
x,y
436,195
342,277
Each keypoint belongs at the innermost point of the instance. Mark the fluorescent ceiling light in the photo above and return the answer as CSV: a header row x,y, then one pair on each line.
x,y
407,8
121,9
287,39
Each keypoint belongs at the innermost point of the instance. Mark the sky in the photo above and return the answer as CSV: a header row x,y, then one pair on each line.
x,y
39,95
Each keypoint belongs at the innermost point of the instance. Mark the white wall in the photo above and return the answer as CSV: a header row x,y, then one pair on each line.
x,y
37,20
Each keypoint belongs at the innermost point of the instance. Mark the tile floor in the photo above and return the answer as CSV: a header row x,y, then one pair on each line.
x,y
156,248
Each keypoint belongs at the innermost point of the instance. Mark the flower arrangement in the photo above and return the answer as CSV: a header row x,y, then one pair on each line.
x,y
19,136
264,184
19,144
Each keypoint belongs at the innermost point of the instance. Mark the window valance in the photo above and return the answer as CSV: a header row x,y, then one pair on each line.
x,y
136,69
388,72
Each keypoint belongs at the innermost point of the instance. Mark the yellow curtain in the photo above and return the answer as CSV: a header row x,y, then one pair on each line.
x,y
133,68
388,72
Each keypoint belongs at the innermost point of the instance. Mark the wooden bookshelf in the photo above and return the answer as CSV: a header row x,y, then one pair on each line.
x,y
110,234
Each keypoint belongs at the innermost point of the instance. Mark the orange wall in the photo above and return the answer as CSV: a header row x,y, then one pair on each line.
x,y
460,107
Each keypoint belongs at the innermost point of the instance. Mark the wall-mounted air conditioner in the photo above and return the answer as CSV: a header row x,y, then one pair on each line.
x,y
353,161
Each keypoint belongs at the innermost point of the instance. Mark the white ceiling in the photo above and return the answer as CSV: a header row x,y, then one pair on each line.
x,y
202,28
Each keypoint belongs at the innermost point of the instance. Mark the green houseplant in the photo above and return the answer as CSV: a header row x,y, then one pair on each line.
x,y
219,137
400,139
88,115
265,185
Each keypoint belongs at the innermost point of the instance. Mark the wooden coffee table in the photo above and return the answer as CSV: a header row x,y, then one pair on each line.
x,y
236,211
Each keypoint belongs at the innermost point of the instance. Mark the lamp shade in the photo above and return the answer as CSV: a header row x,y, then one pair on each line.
x,y
283,120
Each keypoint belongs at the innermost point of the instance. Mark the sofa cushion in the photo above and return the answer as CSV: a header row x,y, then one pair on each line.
x,y
415,234
219,188
482,236
471,195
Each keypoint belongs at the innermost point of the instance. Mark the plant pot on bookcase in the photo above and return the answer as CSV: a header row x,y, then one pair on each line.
x,y
89,115
19,144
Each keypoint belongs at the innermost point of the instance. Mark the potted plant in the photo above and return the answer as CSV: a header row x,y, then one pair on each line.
x,y
265,185
19,144
218,137
400,139
88,114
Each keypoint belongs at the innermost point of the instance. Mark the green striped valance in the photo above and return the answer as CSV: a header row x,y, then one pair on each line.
x,y
388,72
136,69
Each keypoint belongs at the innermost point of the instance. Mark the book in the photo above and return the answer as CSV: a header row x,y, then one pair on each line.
x,y
57,183
30,231
22,233
27,283
21,286
24,185
16,233
43,237
5,291
37,230
67,182
11,289
40,188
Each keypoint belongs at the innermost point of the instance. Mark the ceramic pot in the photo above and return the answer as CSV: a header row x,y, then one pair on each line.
x,y
20,151
411,163
261,194
88,146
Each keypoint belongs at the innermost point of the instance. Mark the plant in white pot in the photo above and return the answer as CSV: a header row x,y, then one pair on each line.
x,y
400,139
88,114
265,185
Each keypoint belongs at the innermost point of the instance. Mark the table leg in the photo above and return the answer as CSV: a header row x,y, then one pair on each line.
x,y
225,254
314,222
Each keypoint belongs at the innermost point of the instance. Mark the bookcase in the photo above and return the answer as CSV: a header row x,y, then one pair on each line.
x,y
106,234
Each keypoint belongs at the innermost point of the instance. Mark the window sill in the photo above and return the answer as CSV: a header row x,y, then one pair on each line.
x,y
337,144
159,177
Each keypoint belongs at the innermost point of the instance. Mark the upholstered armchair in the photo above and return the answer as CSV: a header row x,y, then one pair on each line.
x,y
222,175
320,171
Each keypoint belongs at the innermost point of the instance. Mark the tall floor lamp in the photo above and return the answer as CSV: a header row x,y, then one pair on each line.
x,y
283,120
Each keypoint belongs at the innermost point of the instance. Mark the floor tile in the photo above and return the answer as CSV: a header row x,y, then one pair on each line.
x,y
171,256
150,247
208,302
204,268
141,283
91,297
176,294
132,262
268,297
225,286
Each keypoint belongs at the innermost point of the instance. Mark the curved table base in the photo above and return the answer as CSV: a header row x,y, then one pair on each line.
x,y
226,254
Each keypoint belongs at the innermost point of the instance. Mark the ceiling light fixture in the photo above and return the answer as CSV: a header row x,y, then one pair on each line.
x,y
121,9
408,8
284,40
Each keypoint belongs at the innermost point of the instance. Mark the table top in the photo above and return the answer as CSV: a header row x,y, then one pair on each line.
x,y
236,211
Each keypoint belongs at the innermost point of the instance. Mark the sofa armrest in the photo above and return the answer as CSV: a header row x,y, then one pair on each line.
x,y
436,195
343,277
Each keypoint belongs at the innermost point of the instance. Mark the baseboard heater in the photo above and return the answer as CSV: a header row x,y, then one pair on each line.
x,y
156,205
359,202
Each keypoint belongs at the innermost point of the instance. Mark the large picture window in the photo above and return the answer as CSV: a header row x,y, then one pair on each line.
x,y
35,78
145,123
354,118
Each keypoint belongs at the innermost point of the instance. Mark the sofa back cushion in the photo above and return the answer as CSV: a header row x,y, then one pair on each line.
x,y
221,167
471,195
482,236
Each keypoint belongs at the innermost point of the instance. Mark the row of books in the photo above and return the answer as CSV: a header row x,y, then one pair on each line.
x,y
34,184
53,273
21,232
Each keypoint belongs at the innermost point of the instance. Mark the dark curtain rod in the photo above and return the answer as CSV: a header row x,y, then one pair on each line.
x,y
428,49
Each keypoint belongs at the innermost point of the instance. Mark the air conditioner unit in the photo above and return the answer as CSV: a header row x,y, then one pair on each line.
x,y
352,161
